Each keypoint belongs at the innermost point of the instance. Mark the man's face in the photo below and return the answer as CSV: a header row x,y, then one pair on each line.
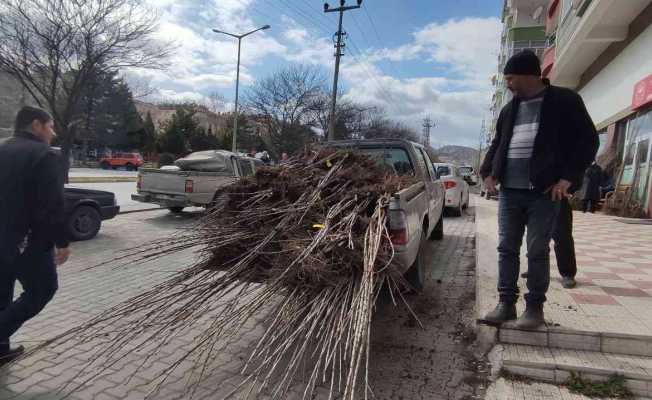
x,y
515,83
44,130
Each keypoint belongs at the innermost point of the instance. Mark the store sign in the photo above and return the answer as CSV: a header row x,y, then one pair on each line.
x,y
642,93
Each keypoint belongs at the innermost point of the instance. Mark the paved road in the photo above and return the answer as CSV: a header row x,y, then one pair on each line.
x,y
408,362
122,191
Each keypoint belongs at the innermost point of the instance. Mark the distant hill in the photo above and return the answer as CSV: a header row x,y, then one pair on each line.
x,y
460,155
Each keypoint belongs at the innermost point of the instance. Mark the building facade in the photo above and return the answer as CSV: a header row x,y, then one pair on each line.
x,y
524,23
12,98
602,49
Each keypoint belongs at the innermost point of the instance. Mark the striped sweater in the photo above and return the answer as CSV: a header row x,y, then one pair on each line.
x,y
526,127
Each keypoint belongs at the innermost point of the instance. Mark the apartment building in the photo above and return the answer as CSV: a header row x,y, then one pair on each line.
x,y
524,23
602,49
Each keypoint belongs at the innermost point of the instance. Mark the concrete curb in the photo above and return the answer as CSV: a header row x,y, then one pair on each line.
x,y
139,211
485,290
101,179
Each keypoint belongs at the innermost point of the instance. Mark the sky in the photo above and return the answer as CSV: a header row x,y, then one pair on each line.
x,y
413,58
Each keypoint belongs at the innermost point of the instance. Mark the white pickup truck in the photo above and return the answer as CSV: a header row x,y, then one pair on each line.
x,y
194,180
415,213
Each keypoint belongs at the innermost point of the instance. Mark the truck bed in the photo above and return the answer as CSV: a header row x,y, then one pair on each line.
x,y
168,188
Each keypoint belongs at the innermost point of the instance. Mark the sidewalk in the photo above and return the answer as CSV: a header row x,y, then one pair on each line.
x,y
605,323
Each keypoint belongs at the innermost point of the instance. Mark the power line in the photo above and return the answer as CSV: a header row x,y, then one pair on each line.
x,y
312,20
371,21
339,46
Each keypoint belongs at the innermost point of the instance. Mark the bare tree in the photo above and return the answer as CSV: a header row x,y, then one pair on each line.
x,y
351,119
215,102
285,102
53,48
141,87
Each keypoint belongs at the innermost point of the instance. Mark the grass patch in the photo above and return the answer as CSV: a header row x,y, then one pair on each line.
x,y
614,387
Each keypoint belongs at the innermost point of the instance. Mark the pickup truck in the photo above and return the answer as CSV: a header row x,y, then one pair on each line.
x,y
194,180
416,213
85,210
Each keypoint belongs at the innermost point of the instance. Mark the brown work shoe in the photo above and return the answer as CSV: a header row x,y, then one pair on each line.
x,y
568,282
502,313
532,318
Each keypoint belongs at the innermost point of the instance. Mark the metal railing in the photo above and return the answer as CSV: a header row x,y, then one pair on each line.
x,y
537,46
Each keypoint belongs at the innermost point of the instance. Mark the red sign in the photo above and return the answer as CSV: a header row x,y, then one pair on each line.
x,y
642,93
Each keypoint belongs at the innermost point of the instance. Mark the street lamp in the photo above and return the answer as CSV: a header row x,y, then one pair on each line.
x,y
237,80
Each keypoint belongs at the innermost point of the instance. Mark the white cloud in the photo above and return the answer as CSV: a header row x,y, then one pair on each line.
x,y
205,61
468,46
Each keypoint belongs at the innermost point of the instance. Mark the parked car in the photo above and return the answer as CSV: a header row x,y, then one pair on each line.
x,y
457,189
416,212
130,161
194,180
469,175
86,209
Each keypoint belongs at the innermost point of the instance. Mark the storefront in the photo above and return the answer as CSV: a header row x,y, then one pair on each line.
x,y
637,160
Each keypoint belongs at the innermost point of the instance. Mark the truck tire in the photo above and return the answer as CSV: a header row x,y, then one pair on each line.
x,y
438,232
176,210
84,223
130,167
416,275
105,165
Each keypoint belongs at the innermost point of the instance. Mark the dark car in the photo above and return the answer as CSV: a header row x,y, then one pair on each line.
x,y
86,209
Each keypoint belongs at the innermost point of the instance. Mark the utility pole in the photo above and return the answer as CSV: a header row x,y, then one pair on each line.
x,y
482,139
339,46
427,124
234,144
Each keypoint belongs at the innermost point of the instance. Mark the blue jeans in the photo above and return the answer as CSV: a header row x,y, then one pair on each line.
x,y
37,273
518,209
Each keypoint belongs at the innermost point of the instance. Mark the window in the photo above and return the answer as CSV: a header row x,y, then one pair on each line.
x,y
421,160
431,169
444,170
641,152
245,167
395,158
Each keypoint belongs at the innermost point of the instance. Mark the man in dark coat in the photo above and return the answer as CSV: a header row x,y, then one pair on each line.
x,y
544,141
590,192
32,236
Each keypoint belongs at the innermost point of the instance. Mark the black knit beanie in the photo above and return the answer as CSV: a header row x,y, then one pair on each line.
x,y
523,63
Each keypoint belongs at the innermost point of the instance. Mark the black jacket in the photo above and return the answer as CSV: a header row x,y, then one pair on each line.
x,y
31,195
565,145
592,179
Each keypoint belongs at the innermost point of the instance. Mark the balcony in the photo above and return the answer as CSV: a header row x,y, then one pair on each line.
x,y
586,29
548,61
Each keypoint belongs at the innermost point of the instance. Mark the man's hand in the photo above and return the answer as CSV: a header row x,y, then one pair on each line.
x,y
490,184
61,255
559,191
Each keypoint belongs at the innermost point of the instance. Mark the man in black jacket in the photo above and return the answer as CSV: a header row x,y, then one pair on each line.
x,y
32,236
544,141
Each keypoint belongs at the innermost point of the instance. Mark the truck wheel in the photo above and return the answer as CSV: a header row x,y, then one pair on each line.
x,y
416,275
130,167
438,232
84,223
176,210
105,165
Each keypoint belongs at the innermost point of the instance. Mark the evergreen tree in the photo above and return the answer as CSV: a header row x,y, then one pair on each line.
x,y
149,138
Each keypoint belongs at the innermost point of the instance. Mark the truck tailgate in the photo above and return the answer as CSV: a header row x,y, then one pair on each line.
x,y
169,187
160,181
